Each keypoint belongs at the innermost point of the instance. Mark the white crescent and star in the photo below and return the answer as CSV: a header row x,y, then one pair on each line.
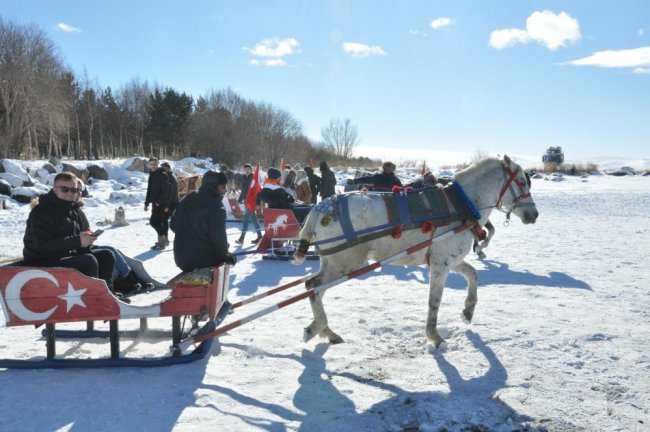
x,y
73,297
15,304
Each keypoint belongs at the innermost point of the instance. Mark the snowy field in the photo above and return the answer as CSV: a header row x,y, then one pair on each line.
x,y
559,342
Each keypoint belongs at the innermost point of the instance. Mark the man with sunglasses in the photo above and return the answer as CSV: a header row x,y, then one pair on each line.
x,y
57,233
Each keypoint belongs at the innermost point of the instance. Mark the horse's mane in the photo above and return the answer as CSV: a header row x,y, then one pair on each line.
x,y
476,165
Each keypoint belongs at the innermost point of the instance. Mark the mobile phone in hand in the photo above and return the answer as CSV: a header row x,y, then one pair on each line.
x,y
98,233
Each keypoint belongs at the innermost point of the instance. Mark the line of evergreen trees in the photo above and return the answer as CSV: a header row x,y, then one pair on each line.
x,y
46,110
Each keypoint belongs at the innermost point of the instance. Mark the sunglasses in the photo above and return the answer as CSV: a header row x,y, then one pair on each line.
x,y
66,189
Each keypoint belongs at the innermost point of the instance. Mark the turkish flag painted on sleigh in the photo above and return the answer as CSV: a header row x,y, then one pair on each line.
x,y
32,295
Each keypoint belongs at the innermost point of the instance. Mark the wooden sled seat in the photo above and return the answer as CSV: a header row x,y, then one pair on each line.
x,y
38,295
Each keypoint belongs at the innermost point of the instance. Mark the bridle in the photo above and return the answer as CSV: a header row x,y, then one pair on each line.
x,y
512,184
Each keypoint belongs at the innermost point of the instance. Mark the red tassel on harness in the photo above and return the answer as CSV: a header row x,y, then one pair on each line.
x,y
397,232
427,227
397,189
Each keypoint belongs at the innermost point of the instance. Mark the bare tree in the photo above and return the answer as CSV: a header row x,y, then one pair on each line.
x,y
29,70
341,136
133,99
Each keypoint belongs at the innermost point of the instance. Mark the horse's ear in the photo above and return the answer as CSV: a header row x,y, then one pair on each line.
x,y
507,160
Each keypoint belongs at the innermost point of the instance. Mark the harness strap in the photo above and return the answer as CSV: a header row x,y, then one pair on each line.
x,y
383,233
401,199
343,212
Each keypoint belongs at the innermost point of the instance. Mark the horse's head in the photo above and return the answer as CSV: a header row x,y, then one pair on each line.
x,y
514,196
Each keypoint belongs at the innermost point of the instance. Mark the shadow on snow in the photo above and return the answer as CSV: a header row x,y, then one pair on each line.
x,y
318,405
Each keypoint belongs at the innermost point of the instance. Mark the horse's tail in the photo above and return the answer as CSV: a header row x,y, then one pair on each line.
x,y
307,234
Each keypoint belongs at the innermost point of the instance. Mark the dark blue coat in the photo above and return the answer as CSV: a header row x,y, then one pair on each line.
x,y
200,226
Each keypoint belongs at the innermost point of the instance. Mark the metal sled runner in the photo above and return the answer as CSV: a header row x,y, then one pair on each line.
x,y
50,296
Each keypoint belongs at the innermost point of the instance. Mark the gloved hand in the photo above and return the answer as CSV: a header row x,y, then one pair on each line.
x,y
230,259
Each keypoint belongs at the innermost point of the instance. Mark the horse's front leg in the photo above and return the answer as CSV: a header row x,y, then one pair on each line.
x,y
439,273
470,275
319,325
478,247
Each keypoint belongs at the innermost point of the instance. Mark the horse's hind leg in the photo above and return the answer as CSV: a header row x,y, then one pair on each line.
x,y
469,273
319,325
438,277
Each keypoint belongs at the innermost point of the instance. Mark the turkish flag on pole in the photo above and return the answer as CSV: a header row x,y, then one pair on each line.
x,y
253,190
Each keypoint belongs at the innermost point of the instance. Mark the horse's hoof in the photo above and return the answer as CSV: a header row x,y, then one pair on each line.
x,y
307,335
332,337
467,316
440,345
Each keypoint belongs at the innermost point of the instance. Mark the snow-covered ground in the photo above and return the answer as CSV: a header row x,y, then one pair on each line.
x,y
560,338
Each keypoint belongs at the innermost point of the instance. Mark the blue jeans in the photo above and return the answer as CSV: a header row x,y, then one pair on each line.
x,y
248,215
121,267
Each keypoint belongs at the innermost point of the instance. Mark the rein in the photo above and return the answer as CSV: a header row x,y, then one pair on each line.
x,y
511,181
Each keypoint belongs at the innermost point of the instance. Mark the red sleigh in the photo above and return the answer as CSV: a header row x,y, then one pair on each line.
x,y
50,296
281,235
238,212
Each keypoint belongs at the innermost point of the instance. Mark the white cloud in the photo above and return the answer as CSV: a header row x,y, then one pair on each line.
x,y
358,50
275,47
272,50
442,22
68,28
547,28
417,33
273,62
500,39
641,71
629,58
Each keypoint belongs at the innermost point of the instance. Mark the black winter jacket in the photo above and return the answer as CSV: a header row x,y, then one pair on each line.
x,y
328,183
245,184
54,229
314,184
157,188
200,226
276,196
173,189
381,182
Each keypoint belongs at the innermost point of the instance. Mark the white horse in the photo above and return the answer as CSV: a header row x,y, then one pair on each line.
x,y
490,183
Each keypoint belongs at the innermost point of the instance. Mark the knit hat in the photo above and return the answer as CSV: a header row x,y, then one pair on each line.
x,y
248,166
212,179
273,173
323,165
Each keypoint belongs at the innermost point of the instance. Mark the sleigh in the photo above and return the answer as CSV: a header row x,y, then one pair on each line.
x,y
281,235
189,184
238,212
52,296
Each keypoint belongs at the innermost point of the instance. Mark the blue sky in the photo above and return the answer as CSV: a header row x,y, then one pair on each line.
x,y
416,77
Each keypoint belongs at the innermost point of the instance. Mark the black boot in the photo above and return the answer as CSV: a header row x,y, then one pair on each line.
x,y
240,240
257,240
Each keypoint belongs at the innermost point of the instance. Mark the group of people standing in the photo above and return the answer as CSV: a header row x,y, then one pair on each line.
x,y
296,190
